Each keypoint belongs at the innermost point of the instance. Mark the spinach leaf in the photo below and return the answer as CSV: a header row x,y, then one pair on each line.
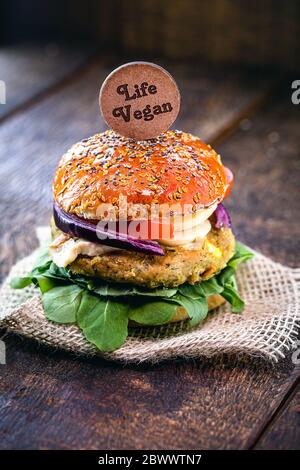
x,y
20,282
225,275
121,290
197,309
62,303
43,261
152,313
45,283
231,295
192,291
242,254
211,286
104,323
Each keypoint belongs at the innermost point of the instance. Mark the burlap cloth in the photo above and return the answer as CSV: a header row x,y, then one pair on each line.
x,y
266,329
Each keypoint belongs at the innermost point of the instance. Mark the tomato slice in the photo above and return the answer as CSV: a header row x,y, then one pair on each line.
x,y
229,178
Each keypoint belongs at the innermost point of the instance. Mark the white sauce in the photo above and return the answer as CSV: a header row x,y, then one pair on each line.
x,y
189,235
66,252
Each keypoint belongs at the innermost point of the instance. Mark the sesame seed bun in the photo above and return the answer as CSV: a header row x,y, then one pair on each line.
x,y
175,168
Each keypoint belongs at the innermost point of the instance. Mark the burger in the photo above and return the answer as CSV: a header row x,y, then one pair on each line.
x,y
139,237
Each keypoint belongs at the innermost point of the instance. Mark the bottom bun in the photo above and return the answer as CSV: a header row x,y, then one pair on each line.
x,y
181,314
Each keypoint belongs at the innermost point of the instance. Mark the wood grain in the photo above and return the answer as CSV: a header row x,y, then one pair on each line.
x,y
59,401
53,400
283,433
30,71
217,31
264,156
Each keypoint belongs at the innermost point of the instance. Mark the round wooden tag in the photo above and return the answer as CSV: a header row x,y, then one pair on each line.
x,y
139,100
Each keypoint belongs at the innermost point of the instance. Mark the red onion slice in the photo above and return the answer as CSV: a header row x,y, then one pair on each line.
x,y
222,217
82,228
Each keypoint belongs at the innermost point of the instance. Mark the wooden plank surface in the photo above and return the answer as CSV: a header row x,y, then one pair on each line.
x,y
283,433
98,405
264,156
29,71
220,404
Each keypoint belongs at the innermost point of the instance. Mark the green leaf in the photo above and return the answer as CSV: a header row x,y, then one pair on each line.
x,y
43,260
211,286
20,282
197,309
106,290
242,250
231,295
60,273
104,323
225,275
233,283
45,283
152,313
192,291
158,292
122,290
161,311
61,303
242,254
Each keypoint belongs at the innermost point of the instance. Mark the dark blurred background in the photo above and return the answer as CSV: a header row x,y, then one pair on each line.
x,y
259,32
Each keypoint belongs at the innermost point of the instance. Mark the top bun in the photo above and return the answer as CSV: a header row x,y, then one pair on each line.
x,y
175,168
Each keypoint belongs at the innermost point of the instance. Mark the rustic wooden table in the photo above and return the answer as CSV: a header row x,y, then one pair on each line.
x,y
52,400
